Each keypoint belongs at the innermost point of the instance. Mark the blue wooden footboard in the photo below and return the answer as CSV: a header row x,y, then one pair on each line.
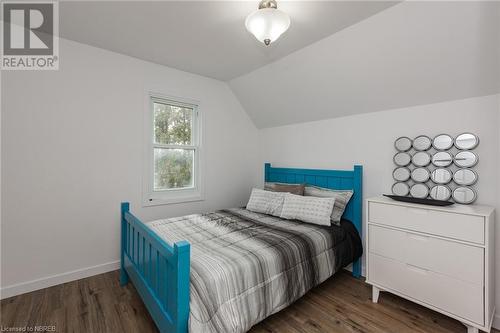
x,y
160,272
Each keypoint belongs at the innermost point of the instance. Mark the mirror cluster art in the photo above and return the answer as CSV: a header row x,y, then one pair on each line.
x,y
440,168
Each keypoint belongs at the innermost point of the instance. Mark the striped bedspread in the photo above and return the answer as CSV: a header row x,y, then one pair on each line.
x,y
246,266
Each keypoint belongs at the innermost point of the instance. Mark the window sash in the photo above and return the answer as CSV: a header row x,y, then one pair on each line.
x,y
167,102
187,147
195,123
194,175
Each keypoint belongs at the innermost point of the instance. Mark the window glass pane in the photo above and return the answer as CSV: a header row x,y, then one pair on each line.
x,y
172,124
173,168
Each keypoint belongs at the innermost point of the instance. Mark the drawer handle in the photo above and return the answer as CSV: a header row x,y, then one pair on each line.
x,y
417,237
417,269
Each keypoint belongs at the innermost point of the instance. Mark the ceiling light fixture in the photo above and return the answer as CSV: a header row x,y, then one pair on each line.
x,y
268,22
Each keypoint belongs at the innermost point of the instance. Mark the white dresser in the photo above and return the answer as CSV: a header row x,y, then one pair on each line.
x,y
439,257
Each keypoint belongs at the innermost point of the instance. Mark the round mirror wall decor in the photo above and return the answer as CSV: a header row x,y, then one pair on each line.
x,y
465,177
464,195
442,159
421,159
420,191
441,176
442,142
440,192
403,144
401,174
465,159
401,189
466,141
420,175
402,159
422,143
436,167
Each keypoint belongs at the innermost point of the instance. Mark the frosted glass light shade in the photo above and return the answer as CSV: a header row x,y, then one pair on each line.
x,y
267,24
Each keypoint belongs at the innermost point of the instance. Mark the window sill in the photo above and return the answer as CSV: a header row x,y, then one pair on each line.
x,y
149,202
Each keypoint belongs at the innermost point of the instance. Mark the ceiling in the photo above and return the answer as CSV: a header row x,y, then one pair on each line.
x,y
204,37
415,53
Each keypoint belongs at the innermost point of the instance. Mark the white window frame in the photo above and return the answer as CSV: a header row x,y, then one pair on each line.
x,y
164,197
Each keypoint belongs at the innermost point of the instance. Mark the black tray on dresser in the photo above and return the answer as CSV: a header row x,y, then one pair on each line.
x,y
431,202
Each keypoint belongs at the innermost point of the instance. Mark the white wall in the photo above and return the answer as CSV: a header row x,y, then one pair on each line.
x,y
414,53
72,151
496,322
368,140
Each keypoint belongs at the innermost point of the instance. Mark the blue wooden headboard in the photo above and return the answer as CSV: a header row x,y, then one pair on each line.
x,y
332,179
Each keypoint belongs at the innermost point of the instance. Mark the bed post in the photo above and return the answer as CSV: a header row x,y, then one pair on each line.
x,y
358,216
125,208
267,167
180,284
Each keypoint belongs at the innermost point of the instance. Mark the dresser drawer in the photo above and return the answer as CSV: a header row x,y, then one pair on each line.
x,y
453,259
451,295
458,226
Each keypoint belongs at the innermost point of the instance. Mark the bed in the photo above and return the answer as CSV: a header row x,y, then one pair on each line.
x,y
230,269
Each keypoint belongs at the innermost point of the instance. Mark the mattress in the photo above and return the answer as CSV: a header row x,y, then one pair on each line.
x,y
246,266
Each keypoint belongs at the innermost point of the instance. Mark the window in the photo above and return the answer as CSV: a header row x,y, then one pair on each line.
x,y
173,152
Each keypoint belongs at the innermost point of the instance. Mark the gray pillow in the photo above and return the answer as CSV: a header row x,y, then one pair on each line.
x,y
266,202
307,209
342,198
297,189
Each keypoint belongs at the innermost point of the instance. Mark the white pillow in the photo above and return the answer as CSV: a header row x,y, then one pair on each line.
x,y
266,202
308,209
342,198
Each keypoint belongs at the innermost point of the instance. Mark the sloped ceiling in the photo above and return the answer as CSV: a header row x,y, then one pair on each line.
x,y
204,37
410,54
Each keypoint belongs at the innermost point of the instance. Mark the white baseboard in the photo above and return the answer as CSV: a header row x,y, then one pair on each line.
x,y
496,320
26,287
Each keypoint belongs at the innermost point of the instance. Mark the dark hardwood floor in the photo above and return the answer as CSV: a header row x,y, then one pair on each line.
x,y
341,304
